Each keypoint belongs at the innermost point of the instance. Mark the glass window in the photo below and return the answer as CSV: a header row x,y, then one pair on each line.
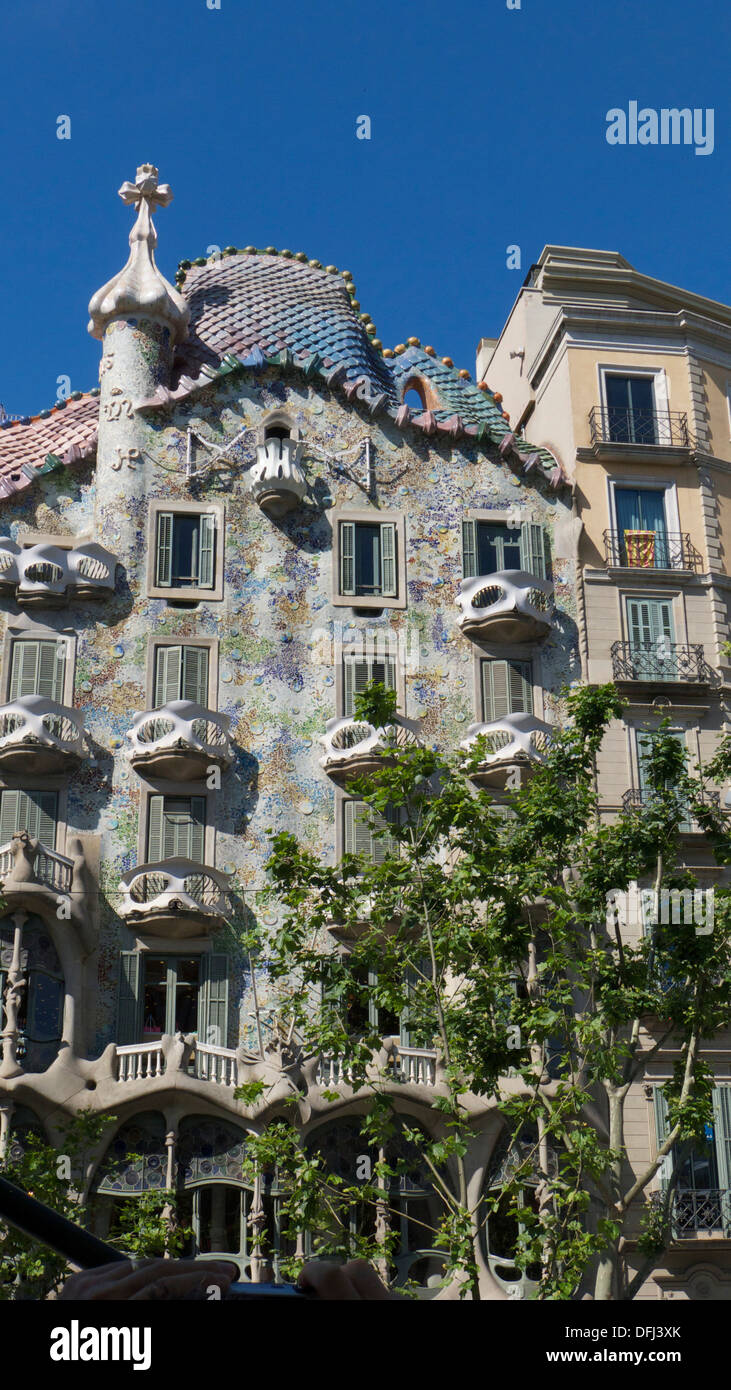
x,y
171,994
368,559
631,409
185,550
642,527
359,671
181,673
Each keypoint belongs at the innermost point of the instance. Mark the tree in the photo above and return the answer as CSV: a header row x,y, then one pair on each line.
x,y
493,929
55,1176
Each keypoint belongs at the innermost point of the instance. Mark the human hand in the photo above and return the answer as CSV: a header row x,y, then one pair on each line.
x,y
355,1281
149,1279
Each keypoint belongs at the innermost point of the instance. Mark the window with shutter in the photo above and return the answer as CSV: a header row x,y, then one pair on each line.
x,y
176,824
533,549
359,837
129,999
388,559
347,557
506,689
213,1001
164,565
38,668
469,550
359,671
651,635
207,541
35,811
181,673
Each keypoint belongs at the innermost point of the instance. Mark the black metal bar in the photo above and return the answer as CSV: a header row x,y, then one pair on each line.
x,y
638,661
49,1227
669,550
625,425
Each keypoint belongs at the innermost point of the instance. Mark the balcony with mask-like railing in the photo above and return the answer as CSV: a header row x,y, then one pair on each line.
x,y
276,480
508,606
507,750
39,737
49,576
175,898
660,662
180,742
355,748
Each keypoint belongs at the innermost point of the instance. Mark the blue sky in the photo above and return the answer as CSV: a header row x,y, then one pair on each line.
x,y
488,130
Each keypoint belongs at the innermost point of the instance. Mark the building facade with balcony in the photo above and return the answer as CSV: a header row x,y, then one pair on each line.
x,y
202,562
628,380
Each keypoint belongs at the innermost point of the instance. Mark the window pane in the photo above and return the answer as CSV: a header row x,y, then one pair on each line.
x,y
498,548
185,551
155,995
367,559
186,994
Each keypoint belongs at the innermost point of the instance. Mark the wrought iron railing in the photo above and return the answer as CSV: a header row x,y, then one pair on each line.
x,y
636,796
702,1212
623,425
652,550
659,661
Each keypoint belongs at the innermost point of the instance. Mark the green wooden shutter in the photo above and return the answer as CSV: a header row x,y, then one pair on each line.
x,y
9,813
213,1001
350,676
129,999
506,689
167,674
206,550
196,833
195,675
469,549
533,549
155,813
382,845
521,694
722,1124
51,663
357,829
661,1131
41,812
388,559
495,690
164,546
38,669
649,620
347,557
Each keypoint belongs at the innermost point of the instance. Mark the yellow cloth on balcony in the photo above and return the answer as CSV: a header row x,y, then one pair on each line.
x,y
640,548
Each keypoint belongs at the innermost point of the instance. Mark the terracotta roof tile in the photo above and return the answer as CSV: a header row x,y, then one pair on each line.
x,y
62,435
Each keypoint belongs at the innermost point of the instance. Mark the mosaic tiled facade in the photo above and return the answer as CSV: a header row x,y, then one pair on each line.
x,y
257,361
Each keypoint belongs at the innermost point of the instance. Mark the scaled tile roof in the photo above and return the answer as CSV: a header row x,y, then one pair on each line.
x,y
39,443
270,302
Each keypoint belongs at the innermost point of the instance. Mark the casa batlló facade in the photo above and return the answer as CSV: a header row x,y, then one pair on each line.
x,y
201,562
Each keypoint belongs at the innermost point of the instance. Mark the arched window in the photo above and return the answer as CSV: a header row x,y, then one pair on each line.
x,y
136,1160
416,395
23,1124
40,1016
411,1211
503,1226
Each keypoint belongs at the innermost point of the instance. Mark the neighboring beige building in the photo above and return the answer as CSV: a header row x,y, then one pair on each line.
x,y
627,381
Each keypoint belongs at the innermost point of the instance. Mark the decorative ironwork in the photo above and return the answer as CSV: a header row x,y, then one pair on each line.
x,y
635,796
700,1213
659,550
659,661
625,425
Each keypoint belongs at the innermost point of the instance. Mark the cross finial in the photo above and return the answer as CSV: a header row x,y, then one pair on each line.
x,y
146,187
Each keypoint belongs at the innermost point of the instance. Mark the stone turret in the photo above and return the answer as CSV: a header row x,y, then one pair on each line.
x,y
140,317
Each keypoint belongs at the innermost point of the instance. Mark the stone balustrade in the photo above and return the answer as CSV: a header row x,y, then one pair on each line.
x,y
176,897
179,741
353,747
516,742
39,736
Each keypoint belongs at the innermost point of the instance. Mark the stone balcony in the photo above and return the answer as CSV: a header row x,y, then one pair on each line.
x,y
180,742
355,748
147,1062
276,480
39,737
509,606
49,576
404,1066
512,748
175,898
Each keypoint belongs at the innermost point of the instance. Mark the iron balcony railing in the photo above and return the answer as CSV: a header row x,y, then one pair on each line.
x,y
652,550
659,661
622,425
703,1212
636,796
